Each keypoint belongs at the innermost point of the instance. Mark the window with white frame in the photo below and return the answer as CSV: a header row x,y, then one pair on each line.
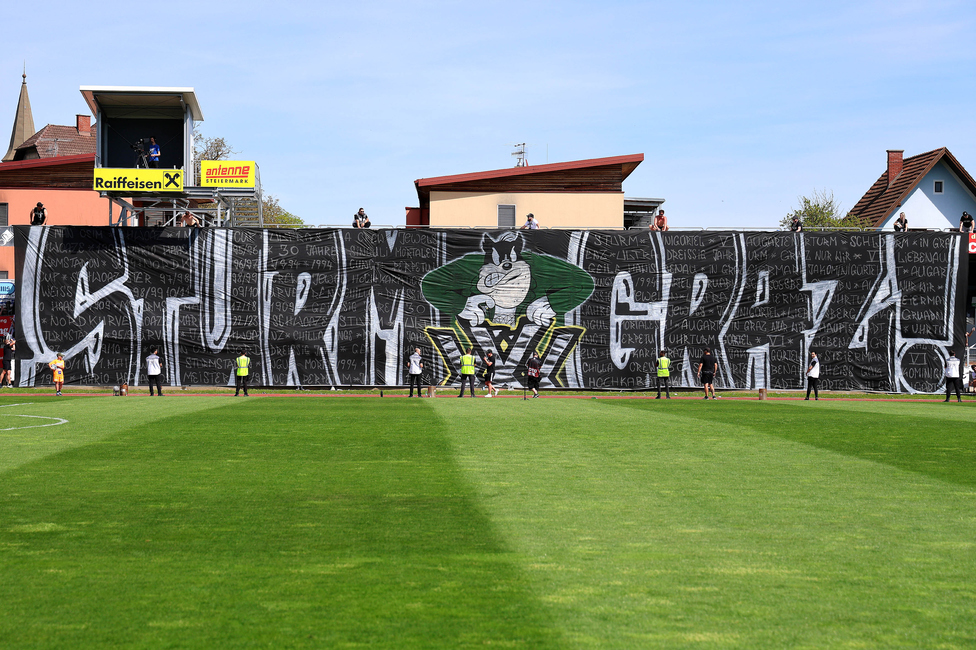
x,y
937,187
3,215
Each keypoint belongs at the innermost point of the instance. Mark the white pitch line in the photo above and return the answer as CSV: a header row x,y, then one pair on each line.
x,y
33,426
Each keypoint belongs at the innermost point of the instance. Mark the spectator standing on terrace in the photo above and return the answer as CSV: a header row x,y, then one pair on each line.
x,y
57,370
415,367
795,224
707,368
38,215
190,220
360,220
813,377
7,376
966,222
154,371
953,379
901,223
660,223
530,222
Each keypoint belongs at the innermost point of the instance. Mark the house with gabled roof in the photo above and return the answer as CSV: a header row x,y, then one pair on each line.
x,y
933,190
55,140
575,194
53,166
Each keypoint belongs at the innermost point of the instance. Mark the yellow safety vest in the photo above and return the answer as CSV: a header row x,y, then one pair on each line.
x,y
243,363
467,364
663,367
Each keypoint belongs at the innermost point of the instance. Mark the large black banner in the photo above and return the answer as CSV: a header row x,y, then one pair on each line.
x,y
346,307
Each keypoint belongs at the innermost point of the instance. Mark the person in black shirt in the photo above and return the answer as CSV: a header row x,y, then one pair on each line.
x,y
38,215
7,376
707,369
489,374
360,220
796,225
533,374
901,223
966,222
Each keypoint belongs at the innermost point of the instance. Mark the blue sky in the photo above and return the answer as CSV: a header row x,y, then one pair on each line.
x,y
738,108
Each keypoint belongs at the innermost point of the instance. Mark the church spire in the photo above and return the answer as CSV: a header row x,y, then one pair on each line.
x,y
23,121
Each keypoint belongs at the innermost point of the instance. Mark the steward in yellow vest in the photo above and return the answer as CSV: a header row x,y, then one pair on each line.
x,y
467,371
242,365
663,374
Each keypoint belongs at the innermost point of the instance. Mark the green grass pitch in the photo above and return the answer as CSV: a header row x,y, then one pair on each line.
x,y
320,521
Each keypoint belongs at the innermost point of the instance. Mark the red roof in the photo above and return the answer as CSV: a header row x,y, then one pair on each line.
x,y
593,175
626,163
57,140
880,202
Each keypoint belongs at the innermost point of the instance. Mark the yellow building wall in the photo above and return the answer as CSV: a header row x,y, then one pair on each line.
x,y
64,208
551,210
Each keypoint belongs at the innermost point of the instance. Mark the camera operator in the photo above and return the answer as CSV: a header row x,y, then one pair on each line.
x,y
153,152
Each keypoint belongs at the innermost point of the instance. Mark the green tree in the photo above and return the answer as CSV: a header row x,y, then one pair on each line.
x,y
205,148
275,215
821,210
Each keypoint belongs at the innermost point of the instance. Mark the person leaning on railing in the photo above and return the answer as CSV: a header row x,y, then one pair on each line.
x,y
901,223
966,222
190,220
660,222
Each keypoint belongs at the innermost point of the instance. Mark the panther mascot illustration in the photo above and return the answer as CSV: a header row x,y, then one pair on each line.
x,y
505,282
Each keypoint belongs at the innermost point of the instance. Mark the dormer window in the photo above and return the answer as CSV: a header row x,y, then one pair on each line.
x,y
937,187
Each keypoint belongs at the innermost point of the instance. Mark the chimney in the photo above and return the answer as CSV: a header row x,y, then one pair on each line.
x,y
83,124
895,163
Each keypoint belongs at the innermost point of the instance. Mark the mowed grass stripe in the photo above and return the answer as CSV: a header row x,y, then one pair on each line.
x,y
264,522
657,524
89,420
935,439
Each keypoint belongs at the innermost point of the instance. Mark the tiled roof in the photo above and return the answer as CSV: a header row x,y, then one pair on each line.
x,y
879,202
56,140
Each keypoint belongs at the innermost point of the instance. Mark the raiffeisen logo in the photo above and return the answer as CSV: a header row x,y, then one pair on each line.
x,y
137,180
125,183
227,173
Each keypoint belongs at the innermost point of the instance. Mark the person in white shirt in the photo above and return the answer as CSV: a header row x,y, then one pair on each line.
x,y
415,366
530,222
813,377
154,371
952,377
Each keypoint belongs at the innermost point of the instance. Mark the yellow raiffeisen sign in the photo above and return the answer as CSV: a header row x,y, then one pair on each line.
x,y
227,173
138,180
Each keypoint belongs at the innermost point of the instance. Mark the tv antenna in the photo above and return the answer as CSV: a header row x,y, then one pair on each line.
x,y
520,153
